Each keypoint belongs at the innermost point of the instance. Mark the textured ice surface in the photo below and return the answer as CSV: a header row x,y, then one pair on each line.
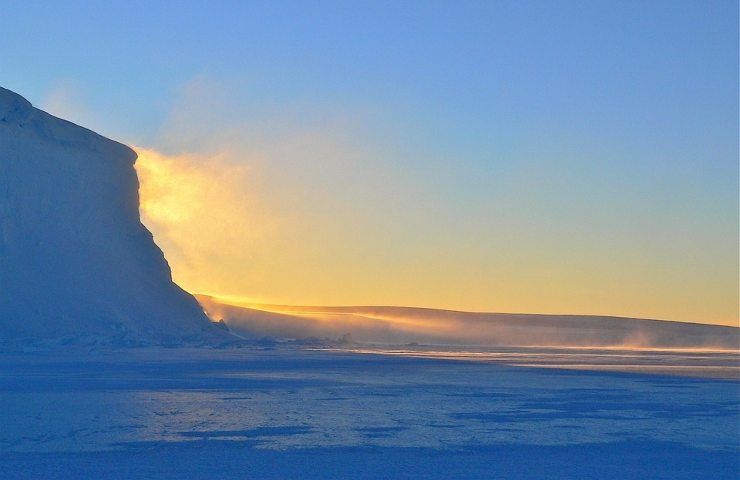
x,y
289,413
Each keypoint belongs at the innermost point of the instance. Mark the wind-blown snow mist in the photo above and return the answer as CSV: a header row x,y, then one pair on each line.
x,y
395,325
201,213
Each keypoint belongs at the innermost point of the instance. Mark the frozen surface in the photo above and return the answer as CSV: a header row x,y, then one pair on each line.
x,y
287,412
720,364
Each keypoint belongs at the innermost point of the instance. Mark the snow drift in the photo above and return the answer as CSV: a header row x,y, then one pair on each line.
x,y
396,325
75,259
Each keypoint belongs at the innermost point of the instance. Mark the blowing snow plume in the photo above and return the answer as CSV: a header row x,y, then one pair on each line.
x,y
397,325
75,260
199,210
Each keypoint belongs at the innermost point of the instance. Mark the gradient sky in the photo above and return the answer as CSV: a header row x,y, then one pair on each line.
x,y
528,156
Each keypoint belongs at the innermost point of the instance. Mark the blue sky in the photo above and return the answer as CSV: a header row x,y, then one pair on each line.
x,y
592,145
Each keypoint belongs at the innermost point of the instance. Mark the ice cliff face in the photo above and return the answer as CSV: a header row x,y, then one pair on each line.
x,y
74,257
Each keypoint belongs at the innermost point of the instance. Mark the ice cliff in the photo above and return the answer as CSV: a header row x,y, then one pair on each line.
x,y
75,259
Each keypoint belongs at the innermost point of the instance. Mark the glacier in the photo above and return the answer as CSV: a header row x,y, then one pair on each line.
x,y
75,260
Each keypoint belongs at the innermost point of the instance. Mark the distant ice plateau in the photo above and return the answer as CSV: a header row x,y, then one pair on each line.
x,y
399,325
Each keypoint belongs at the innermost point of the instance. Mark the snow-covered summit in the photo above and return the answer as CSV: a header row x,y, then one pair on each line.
x,y
13,107
75,259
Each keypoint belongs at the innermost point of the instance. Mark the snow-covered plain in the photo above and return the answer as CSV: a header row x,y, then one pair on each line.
x,y
287,410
